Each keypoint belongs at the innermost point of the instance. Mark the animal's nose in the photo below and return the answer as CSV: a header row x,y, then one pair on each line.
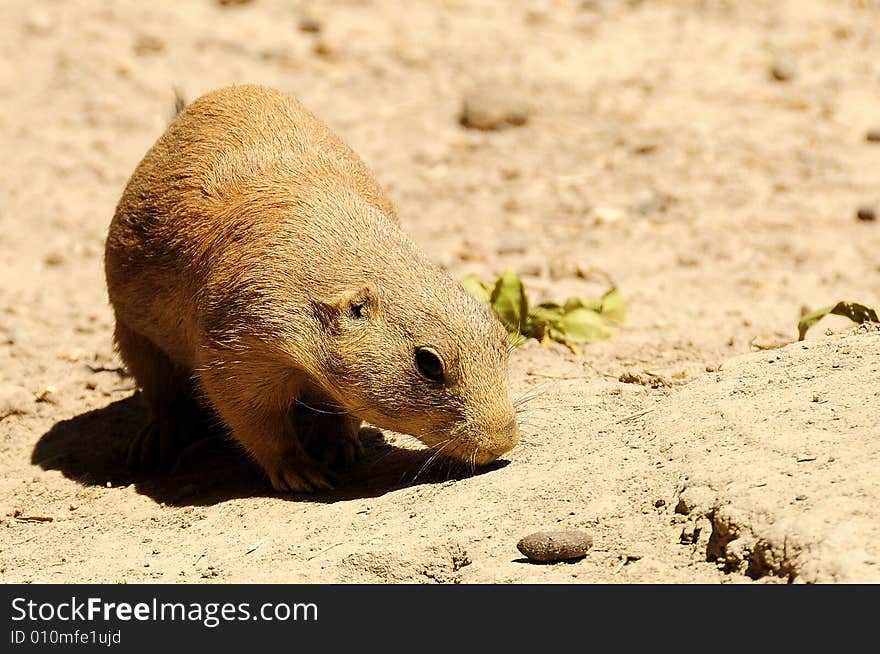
x,y
512,436
504,440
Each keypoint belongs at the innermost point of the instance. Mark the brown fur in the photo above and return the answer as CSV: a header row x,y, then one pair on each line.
x,y
254,261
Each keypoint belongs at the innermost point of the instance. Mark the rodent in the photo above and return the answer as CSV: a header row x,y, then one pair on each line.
x,y
254,264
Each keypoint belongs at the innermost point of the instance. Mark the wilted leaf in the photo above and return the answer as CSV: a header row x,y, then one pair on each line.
x,y
547,313
592,304
613,307
581,320
858,313
509,302
477,288
541,318
584,326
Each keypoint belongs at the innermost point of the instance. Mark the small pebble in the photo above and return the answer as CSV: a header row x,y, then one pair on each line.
x,y
431,154
310,25
413,54
873,135
638,551
781,71
54,258
866,213
325,48
47,395
512,245
147,44
644,379
14,400
493,107
39,22
472,251
510,205
653,202
559,268
690,533
548,546
534,268
606,215
586,23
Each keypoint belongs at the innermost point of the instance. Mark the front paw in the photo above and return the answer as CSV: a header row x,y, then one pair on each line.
x,y
331,439
297,476
338,449
154,447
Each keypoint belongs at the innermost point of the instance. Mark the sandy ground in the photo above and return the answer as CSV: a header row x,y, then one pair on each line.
x,y
708,156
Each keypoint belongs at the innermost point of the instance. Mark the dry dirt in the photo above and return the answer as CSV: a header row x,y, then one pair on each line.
x,y
708,156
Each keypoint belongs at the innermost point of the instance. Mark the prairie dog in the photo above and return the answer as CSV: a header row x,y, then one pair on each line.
x,y
254,264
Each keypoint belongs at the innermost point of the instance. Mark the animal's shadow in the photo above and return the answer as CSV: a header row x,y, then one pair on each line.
x,y
91,449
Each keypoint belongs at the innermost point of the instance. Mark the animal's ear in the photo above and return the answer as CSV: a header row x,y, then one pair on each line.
x,y
359,303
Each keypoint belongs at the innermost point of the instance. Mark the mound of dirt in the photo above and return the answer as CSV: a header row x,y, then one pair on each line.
x,y
783,448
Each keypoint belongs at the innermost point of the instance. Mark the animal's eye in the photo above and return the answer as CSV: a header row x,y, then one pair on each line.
x,y
429,364
358,310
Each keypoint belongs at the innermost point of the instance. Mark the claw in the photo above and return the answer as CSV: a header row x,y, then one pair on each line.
x,y
340,452
143,448
319,481
153,447
303,478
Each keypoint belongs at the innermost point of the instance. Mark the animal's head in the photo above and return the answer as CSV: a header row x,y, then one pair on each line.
x,y
426,360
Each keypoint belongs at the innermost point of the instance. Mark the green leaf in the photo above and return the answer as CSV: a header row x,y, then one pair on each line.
x,y
613,307
558,335
547,312
541,318
581,320
509,302
573,303
858,313
584,326
476,287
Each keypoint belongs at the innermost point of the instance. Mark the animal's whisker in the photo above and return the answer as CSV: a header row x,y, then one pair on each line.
x,y
528,396
525,423
434,456
531,393
385,455
317,410
525,399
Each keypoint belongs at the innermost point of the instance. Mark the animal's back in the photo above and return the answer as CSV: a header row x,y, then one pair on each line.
x,y
197,213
